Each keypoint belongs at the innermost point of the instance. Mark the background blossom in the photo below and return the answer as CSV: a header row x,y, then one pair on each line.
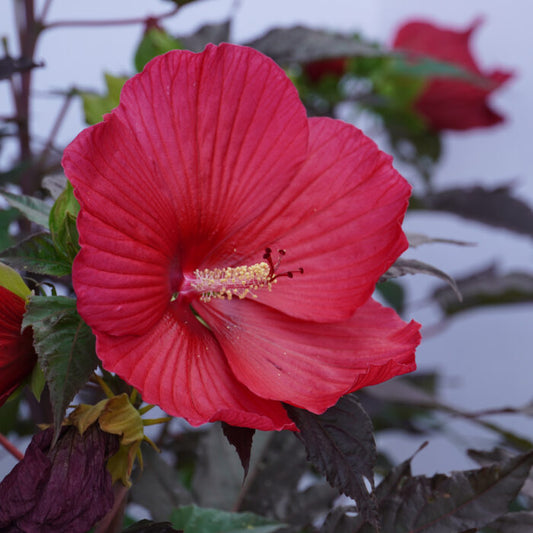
x,y
454,104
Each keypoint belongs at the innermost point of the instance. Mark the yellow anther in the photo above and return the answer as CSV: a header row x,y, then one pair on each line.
x,y
232,281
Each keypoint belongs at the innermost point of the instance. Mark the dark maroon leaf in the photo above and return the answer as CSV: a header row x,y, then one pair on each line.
x,y
520,522
10,65
412,266
302,45
486,287
340,443
241,439
462,501
210,33
494,207
60,488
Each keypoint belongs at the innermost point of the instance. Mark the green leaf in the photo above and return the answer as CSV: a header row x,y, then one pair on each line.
x,y
394,295
38,254
65,348
10,279
8,414
37,382
340,443
194,519
95,106
154,42
147,526
32,208
6,217
429,68
63,223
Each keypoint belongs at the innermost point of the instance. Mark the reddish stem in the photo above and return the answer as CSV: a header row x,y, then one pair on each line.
x,y
28,32
15,452
112,521
116,22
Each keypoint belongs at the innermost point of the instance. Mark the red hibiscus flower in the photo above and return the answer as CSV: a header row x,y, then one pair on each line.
x,y
17,356
453,104
204,196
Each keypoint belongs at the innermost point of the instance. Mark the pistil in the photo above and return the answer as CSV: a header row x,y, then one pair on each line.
x,y
240,281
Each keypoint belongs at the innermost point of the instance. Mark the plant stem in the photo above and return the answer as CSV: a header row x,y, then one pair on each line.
x,y
116,22
112,521
40,164
45,9
15,452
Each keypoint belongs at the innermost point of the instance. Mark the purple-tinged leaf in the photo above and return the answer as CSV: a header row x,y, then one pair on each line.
x,y
494,207
519,522
10,65
61,488
486,287
412,266
209,33
340,443
417,239
302,45
241,439
461,501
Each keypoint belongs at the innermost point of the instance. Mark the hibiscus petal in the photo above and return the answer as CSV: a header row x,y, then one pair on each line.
x,y
175,168
457,105
17,356
311,365
445,44
340,220
179,366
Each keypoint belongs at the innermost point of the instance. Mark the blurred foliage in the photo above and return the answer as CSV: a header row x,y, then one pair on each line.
x,y
95,106
282,481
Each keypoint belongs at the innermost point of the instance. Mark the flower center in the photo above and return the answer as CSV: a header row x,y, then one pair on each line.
x,y
240,281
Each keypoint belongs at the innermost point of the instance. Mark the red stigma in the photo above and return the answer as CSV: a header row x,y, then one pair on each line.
x,y
267,256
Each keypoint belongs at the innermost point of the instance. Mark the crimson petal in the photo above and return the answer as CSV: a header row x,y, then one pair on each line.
x,y
174,170
311,365
17,356
340,220
179,366
447,103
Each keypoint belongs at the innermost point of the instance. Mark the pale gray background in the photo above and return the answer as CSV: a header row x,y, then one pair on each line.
x,y
485,357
